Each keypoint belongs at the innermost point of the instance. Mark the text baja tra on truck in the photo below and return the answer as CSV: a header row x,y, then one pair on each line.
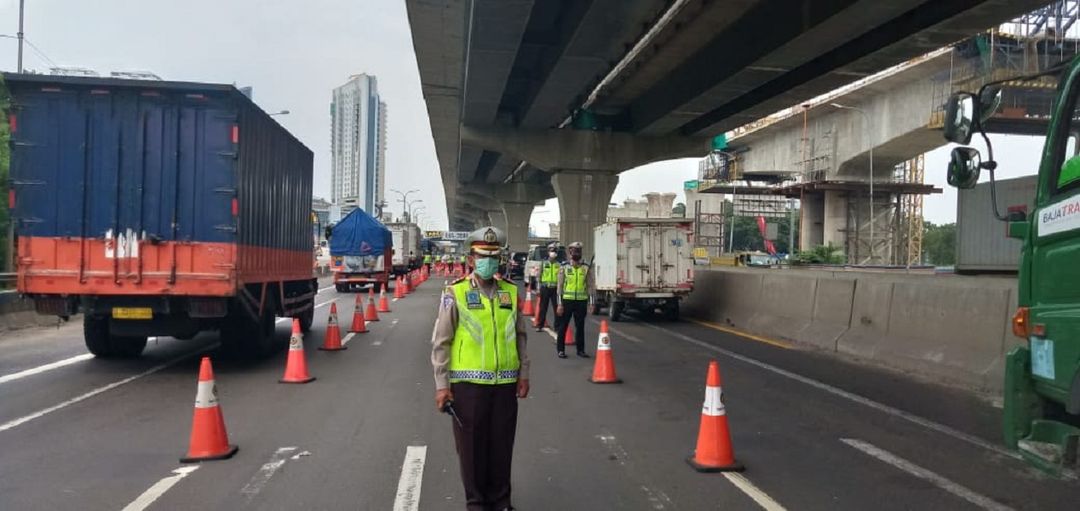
x,y
159,209
1042,376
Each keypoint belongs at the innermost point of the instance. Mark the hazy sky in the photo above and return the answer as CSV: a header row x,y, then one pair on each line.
x,y
294,53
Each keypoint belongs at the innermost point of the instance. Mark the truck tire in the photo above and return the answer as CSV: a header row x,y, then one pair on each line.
x,y
378,287
307,318
96,336
246,338
341,288
105,345
671,310
615,311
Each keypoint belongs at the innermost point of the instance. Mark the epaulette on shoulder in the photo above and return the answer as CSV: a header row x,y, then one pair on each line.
x,y
459,279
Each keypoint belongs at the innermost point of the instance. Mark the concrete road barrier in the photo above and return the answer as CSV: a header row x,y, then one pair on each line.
x,y
951,328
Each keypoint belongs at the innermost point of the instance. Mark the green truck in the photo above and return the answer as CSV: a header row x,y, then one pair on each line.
x,y
1042,376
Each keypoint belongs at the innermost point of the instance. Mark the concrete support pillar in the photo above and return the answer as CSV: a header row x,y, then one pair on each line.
x,y
811,228
834,218
583,203
517,216
497,219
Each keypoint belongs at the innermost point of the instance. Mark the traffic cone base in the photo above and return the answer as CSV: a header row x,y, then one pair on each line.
x,y
209,440
296,365
714,452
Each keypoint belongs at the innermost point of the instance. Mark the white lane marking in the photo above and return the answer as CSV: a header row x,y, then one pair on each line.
x,y
325,288
159,488
282,320
870,403
41,413
376,343
43,368
977,499
551,333
763,499
259,480
348,337
623,335
412,476
656,498
395,299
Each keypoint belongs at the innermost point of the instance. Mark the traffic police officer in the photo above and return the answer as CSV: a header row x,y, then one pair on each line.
x,y
549,283
478,354
574,284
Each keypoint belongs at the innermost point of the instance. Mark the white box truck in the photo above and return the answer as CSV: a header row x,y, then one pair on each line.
x,y
406,238
644,264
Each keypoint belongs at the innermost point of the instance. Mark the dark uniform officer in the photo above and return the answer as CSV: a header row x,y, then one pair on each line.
x,y
575,282
549,283
478,353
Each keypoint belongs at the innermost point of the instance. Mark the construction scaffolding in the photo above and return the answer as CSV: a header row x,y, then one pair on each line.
x,y
911,212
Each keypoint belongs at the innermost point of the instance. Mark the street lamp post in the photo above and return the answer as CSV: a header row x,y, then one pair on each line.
x,y
404,201
409,208
870,144
22,9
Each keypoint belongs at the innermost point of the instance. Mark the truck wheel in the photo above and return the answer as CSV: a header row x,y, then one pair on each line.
x,y
615,311
671,310
96,336
341,288
307,318
595,309
245,338
378,287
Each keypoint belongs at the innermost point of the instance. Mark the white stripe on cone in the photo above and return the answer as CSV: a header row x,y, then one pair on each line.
x,y
206,395
604,343
714,402
296,343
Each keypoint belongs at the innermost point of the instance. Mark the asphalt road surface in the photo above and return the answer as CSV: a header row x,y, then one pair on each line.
x,y
814,432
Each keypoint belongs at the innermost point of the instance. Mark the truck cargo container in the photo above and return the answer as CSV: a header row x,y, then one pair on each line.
x,y
159,208
644,264
406,255
360,247
982,242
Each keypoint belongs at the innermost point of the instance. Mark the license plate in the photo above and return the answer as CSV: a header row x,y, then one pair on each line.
x,y
1042,358
132,313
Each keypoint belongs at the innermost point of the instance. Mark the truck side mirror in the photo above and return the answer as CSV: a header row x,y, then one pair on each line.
x,y
989,101
960,115
964,167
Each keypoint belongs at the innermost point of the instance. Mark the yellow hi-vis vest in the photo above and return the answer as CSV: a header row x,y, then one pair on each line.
x,y
484,349
550,274
574,285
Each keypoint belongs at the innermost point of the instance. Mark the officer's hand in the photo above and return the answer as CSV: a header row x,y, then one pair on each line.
x,y
559,310
523,389
441,397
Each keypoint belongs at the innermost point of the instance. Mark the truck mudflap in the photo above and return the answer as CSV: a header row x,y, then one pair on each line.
x,y
1050,445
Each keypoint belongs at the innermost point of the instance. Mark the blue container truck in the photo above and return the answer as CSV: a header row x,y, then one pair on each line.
x,y
159,209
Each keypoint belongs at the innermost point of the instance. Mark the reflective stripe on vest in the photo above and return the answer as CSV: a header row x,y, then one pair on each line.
x,y
574,287
484,349
550,275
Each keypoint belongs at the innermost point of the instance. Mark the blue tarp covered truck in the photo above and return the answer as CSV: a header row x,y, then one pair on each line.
x,y
360,250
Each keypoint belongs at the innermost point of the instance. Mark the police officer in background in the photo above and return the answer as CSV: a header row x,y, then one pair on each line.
x,y
549,283
478,354
574,285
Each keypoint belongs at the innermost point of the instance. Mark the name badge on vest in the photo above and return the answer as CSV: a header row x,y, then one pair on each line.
x,y
504,300
472,300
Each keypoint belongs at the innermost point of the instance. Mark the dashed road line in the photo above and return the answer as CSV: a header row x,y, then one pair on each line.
x,y
756,494
348,337
317,306
836,391
159,488
259,480
46,367
658,500
977,499
412,477
41,413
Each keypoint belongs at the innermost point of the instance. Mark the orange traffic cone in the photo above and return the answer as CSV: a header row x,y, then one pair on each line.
x,y
538,322
397,288
604,368
571,337
209,440
384,304
359,326
528,310
714,452
370,314
332,340
296,365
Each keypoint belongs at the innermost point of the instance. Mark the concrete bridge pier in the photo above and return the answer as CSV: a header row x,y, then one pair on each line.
x,y
583,202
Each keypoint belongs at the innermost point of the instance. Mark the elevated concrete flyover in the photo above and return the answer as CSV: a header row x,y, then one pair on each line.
x,y
660,76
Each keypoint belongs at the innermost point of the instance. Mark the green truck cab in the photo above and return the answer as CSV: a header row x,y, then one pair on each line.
x,y
1042,377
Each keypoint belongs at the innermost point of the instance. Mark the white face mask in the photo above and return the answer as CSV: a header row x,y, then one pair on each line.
x,y
551,255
